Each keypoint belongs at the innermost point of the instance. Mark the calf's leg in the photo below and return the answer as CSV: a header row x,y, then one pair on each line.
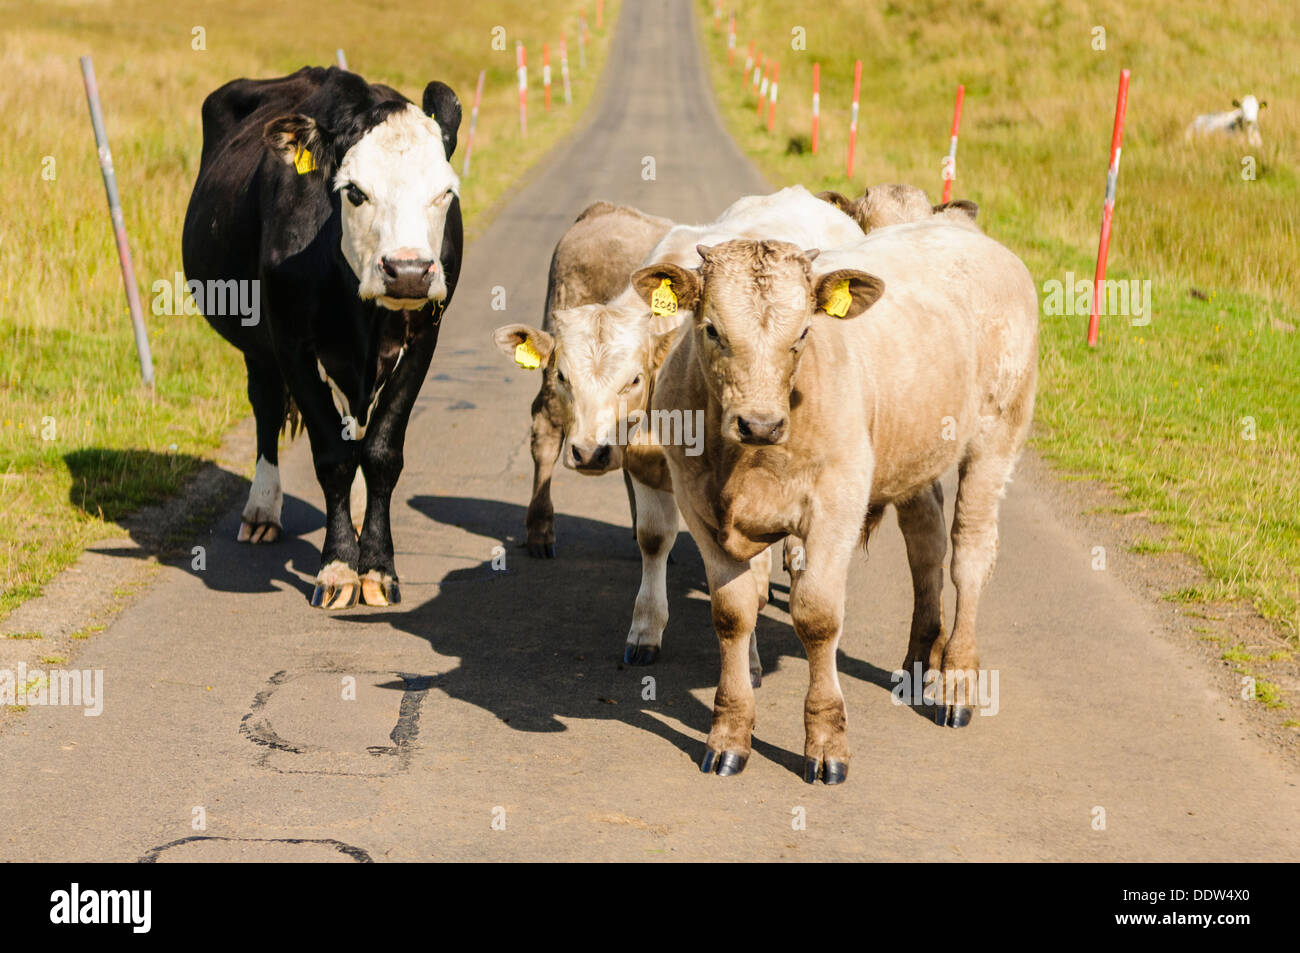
x,y
817,608
545,440
655,532
921,520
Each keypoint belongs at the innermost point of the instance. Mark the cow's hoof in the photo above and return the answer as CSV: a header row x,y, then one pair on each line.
x,y
831,771
541,550
337,587
258,533
380,589
640,654
953,716
756,677
723,763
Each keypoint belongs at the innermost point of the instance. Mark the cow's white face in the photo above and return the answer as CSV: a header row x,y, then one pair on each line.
x,y
605,358
396,188
1250,109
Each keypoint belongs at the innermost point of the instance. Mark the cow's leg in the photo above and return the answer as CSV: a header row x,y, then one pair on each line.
x,y
655,532
334,456
761,568
545,441
921,520
982,478
734,599
260,520
381,463
817,609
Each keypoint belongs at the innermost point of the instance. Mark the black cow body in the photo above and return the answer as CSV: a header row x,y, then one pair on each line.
x,y
351,367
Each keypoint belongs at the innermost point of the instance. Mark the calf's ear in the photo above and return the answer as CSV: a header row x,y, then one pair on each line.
x,y
1263,103
966,205
846,293
442,106
1236,103
526,346
299,141
682,293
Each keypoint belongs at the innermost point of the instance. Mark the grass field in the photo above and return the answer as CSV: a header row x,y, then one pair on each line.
x,y
81,443
1194,416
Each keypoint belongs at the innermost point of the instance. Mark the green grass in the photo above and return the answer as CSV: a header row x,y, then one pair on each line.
x,y
1157,411
81,443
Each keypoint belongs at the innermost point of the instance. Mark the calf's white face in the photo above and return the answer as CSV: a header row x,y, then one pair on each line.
x,y
1250,109
396,188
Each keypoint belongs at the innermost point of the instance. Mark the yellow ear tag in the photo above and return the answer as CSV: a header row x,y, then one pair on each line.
x,y
838,304
526,356
662,300
303,161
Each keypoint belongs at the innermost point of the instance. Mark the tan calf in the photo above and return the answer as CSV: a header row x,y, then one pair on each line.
x,y
833,386
591,264
894,204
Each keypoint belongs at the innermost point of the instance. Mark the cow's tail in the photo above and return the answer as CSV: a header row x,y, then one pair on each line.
x,y
292,424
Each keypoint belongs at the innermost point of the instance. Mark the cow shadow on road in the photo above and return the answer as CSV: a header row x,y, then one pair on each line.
x,y
110,484
542,640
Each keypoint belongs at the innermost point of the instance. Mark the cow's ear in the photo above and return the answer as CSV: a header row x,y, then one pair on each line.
x,y
841,202
1236,103
298,140
1263,103
527,347
965,205
442,106
667,288
846,293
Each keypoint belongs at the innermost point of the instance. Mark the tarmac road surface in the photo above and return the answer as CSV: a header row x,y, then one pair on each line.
x,y
497,699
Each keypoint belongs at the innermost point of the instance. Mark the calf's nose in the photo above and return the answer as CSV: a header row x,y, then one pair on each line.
x,y
406,275
590,458
760,430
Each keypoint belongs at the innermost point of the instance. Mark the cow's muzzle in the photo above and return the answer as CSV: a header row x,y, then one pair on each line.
x,y
759,430
595,459
407,277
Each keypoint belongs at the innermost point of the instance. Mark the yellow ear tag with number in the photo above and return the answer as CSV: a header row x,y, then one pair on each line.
x,y
662,300
526,356
303,161
838,304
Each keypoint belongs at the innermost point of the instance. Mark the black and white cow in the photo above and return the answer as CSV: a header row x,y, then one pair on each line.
x,y
336,196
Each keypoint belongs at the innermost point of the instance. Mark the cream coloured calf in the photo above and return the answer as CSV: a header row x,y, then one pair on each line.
x,y
834,385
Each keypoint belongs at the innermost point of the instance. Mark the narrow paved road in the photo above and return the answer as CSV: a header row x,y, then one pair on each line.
x,y
499,695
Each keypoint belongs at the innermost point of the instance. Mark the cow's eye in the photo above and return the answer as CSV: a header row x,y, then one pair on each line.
x,y
559,376
444,198
355,195
632,383
799,343
711,331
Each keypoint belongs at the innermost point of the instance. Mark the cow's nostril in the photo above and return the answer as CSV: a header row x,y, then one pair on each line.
x,y
742,426
386,266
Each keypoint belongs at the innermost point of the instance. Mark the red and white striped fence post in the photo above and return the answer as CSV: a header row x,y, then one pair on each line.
x,y
749,60
771,109
817,103
521,65
950,163
762,90
600,14
564,70
473,121
546,75
758,71
731,41
853,122
119,222
582,40
717,15
1108,207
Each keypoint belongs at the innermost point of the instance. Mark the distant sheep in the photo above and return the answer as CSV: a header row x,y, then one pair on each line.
x,y
1245,117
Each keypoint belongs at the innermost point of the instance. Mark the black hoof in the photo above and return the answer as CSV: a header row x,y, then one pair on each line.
x,y
959,716
541,550
756,677
641,654
722,763
812,767
834,771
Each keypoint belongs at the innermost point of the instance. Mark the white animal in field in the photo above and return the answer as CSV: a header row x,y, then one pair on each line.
x,y
1243,118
